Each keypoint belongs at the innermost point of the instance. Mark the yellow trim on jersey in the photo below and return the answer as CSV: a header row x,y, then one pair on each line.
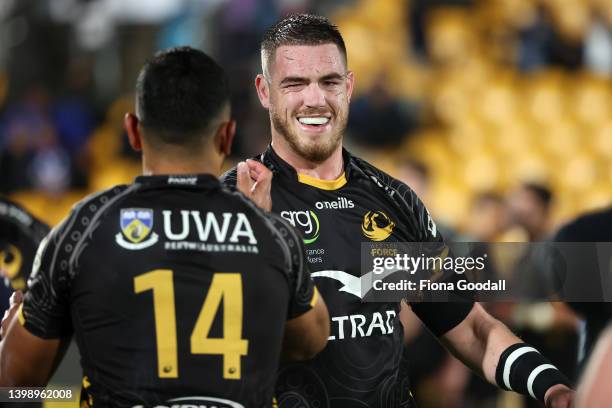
x,y
322,184
315,297
20,315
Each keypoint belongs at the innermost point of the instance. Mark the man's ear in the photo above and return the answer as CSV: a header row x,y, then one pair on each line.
x,y
130,122
350,83
224,137
263,91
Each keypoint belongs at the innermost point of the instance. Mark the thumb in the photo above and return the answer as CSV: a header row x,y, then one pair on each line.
x,y
16,298
244,182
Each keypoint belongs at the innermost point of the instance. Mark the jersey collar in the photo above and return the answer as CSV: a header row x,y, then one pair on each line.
x,y
281,167
180,180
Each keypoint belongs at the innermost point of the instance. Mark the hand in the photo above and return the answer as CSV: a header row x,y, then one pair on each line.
x,y
559,396
14,303
254,180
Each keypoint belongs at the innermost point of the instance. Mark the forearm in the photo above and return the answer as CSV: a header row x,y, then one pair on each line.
x,y
480,343
490,348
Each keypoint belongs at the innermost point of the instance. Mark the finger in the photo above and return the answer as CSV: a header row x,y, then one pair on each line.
x,y
257,168
16,298
254,165
244,182
264,182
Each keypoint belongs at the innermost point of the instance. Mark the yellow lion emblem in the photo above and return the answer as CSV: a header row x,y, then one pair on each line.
x,y
377,225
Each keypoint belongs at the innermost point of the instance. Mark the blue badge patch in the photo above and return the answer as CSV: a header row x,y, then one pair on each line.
x,y
136,223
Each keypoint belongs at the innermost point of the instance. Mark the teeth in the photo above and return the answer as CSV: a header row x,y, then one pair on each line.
x,y
314,120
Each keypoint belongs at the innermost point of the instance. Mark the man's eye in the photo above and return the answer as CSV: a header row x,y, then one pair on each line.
x,y
331,83
294,85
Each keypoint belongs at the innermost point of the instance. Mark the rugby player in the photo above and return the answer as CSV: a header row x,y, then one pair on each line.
x,y
180,291
20,234
338,201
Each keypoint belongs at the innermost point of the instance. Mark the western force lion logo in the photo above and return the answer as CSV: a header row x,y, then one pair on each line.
x,y
377,225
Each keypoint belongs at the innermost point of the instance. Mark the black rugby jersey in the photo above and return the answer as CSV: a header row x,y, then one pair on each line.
x,y
362,364
20,234
593,227
177,290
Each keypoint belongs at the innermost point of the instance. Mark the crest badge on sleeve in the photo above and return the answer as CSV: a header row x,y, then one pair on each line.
x,y
136,229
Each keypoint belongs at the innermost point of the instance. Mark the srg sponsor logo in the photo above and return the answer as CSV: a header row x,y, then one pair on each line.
x,y
305,221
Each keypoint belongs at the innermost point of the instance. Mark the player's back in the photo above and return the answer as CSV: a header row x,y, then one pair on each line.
x,y
178,290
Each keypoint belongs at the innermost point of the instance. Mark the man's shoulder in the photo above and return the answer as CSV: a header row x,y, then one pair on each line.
x,y
395,189
14,213
402,197
85,214
587,227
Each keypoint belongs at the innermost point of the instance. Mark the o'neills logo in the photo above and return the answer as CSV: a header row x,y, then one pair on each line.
x,y
340,204
377,225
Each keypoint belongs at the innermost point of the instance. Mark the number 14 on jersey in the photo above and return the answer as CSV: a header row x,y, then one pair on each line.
x,y
226,287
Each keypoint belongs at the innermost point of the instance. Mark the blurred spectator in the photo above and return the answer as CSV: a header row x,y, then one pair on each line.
x,y
50,166
378,120
417,16
416,175
488,218
27,126
15,156
530,208
598,46
541,44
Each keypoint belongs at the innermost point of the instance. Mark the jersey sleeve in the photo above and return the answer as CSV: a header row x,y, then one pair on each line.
x,y
438,317
441,317
303,291
45,311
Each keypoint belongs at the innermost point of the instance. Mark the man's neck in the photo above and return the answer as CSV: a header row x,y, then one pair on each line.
x,y
164,164
330,169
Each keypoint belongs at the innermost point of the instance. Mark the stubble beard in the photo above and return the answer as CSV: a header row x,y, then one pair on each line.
x,y
313,152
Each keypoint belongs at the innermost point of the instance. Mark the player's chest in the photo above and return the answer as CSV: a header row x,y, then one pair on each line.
x,y
333,224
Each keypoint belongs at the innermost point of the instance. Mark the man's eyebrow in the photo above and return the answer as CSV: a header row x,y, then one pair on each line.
x,y
293,79
328,77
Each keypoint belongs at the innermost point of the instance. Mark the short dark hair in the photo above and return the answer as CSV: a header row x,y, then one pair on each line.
x,y
541,192
180,91
300,29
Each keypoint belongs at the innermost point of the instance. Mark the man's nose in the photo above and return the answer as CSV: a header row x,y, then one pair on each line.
x,y
314,96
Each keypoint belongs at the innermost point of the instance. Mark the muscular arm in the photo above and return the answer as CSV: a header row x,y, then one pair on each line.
x,y
307,335
25,359
479,341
